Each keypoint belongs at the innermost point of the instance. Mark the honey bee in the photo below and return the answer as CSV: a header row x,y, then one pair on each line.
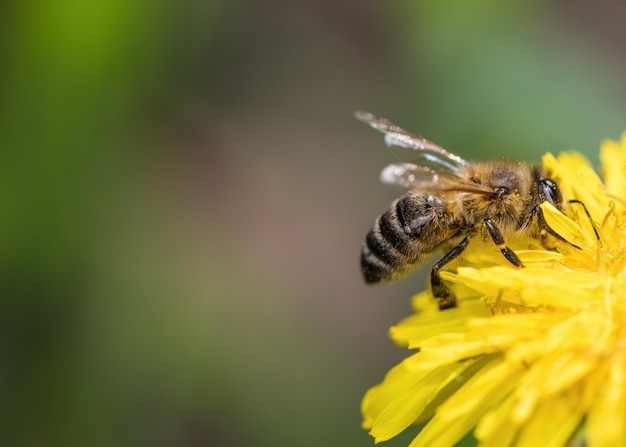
x,y
449,201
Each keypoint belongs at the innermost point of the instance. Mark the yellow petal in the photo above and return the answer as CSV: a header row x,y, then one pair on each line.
x,y
423,325
396,381
605,423
462,410
613,158
554,421
532,286
495,428
566,227
407,407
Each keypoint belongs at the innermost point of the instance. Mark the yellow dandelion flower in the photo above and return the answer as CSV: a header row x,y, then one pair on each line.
x,y
532,356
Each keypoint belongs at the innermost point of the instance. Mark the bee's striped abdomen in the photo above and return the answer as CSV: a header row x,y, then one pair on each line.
x,y
408,231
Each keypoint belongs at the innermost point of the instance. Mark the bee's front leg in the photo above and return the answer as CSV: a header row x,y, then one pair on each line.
x,y
498,239
544,228
588,216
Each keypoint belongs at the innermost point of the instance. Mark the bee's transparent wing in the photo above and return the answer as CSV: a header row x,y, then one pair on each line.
x,y
421,178
412,148
409,176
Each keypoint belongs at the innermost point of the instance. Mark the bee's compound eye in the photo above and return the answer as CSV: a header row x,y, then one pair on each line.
x,y
551,191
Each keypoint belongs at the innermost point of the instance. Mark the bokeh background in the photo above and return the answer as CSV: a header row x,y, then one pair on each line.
x,y
184,193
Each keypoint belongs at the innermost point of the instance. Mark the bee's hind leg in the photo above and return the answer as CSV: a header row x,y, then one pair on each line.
x,y
441,292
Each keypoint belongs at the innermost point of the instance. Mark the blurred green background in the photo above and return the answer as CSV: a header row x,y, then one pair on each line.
x,y
184,194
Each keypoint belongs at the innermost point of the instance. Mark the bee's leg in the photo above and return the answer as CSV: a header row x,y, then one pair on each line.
x,y
529,218
588,216
497,238
543,227
441,292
